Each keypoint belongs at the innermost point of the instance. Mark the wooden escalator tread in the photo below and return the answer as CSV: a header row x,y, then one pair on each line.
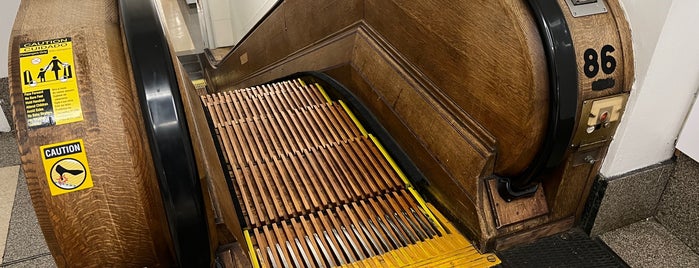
x,y
316,190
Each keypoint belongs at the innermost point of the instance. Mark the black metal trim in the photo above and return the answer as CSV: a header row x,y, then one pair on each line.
x,y
563,99
168,135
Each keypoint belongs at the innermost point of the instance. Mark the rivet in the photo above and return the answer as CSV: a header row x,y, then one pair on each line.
x,y
491,258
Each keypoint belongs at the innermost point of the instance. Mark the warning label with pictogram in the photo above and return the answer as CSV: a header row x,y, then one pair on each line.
x,y
48,82
66,167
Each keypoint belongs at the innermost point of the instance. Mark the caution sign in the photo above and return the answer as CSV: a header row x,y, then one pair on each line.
x,y
66,167
48,83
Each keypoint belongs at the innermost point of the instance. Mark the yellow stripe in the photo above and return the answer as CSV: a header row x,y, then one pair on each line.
x,y
427,210
390,160
325,94
302,82
253,255
354,118
199,83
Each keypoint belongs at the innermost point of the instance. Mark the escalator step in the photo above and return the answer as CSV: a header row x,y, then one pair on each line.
x,y
316,190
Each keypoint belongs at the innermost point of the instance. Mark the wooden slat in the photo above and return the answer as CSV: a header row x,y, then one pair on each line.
x,y
335,231
315,191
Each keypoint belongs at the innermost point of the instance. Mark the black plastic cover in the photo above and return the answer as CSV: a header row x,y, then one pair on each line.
x,y
166,126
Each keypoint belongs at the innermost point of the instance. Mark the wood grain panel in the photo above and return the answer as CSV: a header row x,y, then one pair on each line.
x,y
485,62
330,52
234,256
292,26
217,199
462,89
594,32
120,221
535,233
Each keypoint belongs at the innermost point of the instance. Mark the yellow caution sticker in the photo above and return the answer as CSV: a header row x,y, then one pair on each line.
x,y
66,166
48,82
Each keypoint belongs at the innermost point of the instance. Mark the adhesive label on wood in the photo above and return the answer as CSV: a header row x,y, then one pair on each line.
x,y
604,61
66,167
48,82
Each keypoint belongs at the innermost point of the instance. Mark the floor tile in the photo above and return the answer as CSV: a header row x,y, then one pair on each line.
x,y
177,28
649,244
679,208
5,99
8,180
24,239
4,124
632,197
42,260
9,155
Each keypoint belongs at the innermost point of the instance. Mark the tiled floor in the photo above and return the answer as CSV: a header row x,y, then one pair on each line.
x,y
177,27
650,244
21,241
25,245
8,178
679,209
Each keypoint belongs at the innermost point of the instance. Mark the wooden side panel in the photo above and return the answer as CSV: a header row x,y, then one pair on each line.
x,y
420,119
568,188
591,34
485,56
120,221
462,86
333,51
431,126
291,27
217,199
224,225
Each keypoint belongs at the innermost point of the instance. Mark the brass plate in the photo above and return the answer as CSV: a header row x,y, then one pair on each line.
x,y
582,137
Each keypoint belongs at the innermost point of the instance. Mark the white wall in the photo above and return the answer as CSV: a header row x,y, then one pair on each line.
x,y
8,10
666,38
688,142
217,18
228,21
246,13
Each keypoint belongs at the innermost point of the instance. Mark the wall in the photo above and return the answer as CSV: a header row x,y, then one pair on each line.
x,y
7,18
688,142
665,40
228,21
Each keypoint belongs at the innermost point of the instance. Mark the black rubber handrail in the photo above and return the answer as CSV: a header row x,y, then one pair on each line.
x,y
168,135
563,100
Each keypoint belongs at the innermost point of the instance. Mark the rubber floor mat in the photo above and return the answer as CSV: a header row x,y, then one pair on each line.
x,y
573,248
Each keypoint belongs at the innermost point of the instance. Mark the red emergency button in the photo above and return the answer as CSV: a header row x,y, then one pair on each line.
x,y
604,116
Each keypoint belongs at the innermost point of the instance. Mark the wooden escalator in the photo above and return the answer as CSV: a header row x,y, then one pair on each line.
x,y
316,190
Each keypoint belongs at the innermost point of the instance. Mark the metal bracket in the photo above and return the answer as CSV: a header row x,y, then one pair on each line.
x,y
581,10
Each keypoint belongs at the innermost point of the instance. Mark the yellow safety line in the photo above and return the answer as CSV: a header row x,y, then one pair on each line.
x,y
199,82
354,118
302,83
390,161
253,255
427,210
388,158
406,181
325,94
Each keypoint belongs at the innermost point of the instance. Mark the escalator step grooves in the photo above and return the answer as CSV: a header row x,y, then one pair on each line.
x,y
316,191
